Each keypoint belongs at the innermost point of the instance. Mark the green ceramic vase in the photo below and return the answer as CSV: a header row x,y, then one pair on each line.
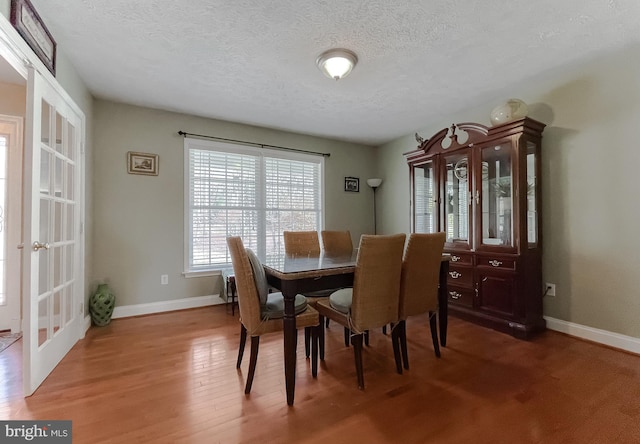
x,y
101,305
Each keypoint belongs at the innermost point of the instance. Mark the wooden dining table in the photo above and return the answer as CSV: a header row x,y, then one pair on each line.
x,y
302,274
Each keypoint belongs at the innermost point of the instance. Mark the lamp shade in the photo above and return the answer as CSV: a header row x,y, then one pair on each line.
x,y
337,63
374,183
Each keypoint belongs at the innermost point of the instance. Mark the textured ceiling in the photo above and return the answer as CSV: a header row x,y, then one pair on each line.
x,y
253,61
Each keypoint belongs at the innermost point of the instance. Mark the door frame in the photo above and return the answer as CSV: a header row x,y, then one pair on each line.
x,y
14,222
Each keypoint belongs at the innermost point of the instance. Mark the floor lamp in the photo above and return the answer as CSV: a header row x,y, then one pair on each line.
x,y
374,183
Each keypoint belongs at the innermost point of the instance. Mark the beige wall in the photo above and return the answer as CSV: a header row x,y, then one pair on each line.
x,y
14,99
139,221
590,187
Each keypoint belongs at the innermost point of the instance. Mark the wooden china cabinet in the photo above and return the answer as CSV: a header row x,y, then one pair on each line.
x,y
481,186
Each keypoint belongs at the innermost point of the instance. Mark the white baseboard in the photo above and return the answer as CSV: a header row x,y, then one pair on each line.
x,y
125,311
87,323
605,337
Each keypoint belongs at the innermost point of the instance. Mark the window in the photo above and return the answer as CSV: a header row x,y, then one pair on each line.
x,y
233,190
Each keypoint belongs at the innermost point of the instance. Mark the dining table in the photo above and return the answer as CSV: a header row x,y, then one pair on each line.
x,y
294,275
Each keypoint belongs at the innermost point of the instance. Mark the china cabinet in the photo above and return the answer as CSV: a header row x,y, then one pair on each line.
x,y
481,186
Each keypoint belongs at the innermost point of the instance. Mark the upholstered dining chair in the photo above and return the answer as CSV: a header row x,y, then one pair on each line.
x,y
261,312
419,287
336,243
374,299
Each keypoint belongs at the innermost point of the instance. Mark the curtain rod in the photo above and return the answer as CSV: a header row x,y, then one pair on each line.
x,y
259,145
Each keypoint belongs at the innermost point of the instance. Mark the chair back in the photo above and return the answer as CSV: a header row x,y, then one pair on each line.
x,y
376,283
248,300
337,243
301,243
420,274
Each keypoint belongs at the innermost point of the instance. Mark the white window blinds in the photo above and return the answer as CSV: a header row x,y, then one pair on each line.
x,y
252,193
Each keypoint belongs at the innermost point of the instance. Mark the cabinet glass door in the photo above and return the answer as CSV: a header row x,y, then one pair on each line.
x,y
424,198
532,196
456,198
497,195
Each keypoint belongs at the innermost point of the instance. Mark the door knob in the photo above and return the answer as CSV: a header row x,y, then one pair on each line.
x,y
37,246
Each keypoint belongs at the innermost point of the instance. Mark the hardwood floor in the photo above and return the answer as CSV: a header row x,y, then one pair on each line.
x,y
171,378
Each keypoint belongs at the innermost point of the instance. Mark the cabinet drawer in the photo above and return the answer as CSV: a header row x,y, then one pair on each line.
x,y
496,262
461,258
460,296
460,276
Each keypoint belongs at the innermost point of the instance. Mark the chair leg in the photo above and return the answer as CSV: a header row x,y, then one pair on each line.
x,y
321,328
434,333
327,322
307,341
255,343
366,338
315,333
243,339
357,353
395,340
347,333
402,333
233,297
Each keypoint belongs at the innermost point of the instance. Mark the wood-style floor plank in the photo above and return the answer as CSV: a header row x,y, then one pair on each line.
x,y
171,378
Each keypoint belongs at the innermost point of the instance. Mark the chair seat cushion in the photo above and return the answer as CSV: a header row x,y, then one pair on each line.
x,y
341,300
274,308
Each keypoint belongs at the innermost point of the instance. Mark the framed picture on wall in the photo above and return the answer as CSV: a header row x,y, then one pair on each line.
x,y
142,163
352,184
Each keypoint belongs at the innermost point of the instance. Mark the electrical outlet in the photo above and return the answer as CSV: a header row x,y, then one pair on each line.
x,y
164,279
549,289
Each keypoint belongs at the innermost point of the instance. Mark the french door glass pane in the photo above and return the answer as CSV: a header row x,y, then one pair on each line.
x,y
456,198
424,198
497,195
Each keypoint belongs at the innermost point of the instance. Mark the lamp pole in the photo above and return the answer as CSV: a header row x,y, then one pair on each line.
x,y
374,183
375,228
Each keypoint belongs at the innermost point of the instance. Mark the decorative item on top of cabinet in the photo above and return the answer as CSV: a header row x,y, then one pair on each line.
x,y
480,185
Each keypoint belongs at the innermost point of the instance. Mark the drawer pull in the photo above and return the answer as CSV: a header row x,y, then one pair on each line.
x,y
455,258
495,263
455,295
454,274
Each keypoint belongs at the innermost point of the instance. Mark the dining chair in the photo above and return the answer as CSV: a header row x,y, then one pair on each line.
x,y
301,243
306,244
336,243
374,299
261,312
419,287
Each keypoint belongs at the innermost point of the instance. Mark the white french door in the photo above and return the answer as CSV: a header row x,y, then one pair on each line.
x,y
10,221
53,241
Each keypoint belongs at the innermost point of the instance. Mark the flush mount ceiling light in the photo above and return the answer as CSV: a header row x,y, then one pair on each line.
x,y
337,63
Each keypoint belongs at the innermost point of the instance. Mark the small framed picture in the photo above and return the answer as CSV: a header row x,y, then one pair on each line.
x,y
352,184
142,163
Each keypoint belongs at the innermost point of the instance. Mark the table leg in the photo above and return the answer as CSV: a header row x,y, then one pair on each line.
x,y
289,325
443,302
